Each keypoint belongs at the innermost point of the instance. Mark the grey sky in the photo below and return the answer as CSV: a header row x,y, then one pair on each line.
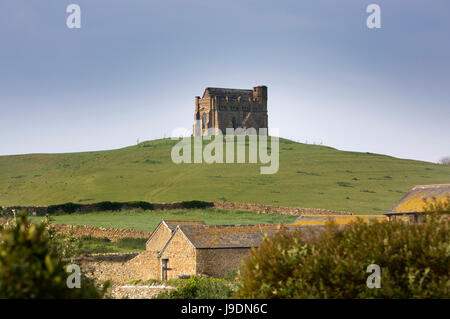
x,y
134,67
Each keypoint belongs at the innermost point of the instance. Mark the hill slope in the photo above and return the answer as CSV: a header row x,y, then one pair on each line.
x,y
309,176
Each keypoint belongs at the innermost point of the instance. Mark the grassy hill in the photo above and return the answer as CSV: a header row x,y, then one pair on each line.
x,y
309,176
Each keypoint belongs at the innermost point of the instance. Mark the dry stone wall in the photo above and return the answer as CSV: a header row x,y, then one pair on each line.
x,y
100,232
102,267
121,269
268,209
137,291
29,210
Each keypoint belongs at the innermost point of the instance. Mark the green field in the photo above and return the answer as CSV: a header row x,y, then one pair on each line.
x,y
309,176
92,245
148,220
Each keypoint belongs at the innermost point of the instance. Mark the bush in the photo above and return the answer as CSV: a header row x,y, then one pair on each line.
x,y
414,261
32,267
67,208
232,275
132,243
200,288
139,204
95,245
67,245
196,204
113,206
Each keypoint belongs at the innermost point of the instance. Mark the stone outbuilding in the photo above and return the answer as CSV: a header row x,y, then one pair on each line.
x,y
147,265
164,231
183,248
211,250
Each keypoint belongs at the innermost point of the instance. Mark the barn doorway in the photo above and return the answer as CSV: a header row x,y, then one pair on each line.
x,y
164,269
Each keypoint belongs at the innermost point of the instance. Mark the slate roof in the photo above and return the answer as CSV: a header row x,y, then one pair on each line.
x,y
231,93
231,236
413,201
172,223
324,218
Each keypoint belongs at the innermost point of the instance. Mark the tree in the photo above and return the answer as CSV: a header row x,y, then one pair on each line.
x,y
31,265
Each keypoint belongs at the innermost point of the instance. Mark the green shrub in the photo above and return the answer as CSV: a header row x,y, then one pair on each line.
x,y
3,212
132,243
199,288
196,204
112,206
67,208
95,245
414,260
95,239
31,265
140,204
232,275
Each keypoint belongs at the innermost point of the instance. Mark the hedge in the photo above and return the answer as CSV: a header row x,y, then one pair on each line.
x,y
140,204
67,208
414,260
196,204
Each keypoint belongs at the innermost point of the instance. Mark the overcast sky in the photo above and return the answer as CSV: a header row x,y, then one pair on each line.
x,y
132,71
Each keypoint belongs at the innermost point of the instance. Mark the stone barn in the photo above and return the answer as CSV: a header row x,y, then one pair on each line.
x,y
211,250
164,231
183,248
147,265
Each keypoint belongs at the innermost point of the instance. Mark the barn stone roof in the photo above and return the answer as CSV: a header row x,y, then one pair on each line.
x,y
413,201
231,93
172,223
231,236
324,218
